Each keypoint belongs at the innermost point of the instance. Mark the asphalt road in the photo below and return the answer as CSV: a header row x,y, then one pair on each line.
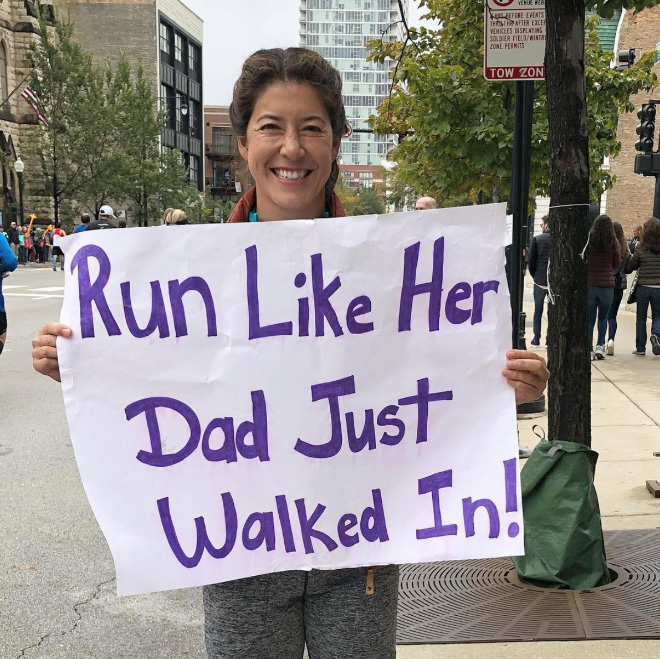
x,y
57,588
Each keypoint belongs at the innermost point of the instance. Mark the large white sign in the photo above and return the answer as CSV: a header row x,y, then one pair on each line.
x,y
514,40
251,398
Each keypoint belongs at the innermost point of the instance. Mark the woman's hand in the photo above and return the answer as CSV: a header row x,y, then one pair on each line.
x,y
44,350
527,373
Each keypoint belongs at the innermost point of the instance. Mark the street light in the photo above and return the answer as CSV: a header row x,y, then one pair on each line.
x,y
184,105
19,168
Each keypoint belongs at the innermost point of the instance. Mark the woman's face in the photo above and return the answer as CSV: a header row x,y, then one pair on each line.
x,y
289,149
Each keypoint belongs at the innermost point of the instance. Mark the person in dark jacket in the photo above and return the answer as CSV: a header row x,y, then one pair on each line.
x,y
620,285
635,241
646,259
604,258
13,239
539,257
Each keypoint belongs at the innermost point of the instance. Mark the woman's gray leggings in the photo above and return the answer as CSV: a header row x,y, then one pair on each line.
x,y
273,616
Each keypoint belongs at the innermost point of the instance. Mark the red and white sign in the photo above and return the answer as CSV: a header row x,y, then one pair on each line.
x,y
514,40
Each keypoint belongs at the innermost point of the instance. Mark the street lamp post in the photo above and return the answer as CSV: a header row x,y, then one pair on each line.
x,y
19,168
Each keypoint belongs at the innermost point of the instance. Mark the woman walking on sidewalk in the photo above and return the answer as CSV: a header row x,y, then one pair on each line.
x,y
604,255
620,285
646,259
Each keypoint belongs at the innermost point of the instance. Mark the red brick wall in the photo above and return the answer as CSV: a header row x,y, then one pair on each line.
x,y
631,199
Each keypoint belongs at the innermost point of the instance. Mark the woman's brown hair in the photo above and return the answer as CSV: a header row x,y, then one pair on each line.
x,y
621,239
601,236
651,235
300,65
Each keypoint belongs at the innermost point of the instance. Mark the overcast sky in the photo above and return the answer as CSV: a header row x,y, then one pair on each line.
x,y
233,29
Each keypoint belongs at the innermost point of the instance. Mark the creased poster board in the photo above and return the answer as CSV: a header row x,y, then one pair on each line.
x,y
252,398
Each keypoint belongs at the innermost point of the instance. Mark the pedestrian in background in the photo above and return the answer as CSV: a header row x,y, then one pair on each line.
x,y
12,237
646,259
175,217
635,241
22,253
425,204
539,257
85,219
39,244
106,215
58,232
166,216
620,285
48,244
604,257
8,263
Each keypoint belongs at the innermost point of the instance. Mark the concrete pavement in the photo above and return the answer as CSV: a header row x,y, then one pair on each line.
x,y
57,596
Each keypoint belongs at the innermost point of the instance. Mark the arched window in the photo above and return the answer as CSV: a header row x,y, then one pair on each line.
x,y
3,72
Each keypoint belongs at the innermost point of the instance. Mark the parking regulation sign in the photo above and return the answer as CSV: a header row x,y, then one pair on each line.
x,y
514,40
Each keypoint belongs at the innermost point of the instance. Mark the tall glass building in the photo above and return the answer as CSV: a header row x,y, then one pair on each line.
x,y
339,30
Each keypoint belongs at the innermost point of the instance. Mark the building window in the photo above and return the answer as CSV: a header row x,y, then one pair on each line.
x,y
194,170
165,39
193,57
178,48
164,95
3,72
193,109
181,124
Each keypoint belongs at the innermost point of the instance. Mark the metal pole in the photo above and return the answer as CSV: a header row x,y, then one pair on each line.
x,y
522,151
56,200
656,198
20,193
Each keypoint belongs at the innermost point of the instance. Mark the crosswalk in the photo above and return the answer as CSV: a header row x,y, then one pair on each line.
x,y
44,293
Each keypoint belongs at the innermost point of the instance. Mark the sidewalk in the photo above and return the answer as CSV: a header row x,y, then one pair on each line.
x,y
625,432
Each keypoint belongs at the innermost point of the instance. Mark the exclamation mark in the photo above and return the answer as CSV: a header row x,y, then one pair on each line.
x,y
510,489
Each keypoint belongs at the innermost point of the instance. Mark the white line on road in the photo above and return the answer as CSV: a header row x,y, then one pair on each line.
x,y
34,296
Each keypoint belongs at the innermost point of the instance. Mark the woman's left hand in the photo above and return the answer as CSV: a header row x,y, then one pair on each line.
x,y
527,373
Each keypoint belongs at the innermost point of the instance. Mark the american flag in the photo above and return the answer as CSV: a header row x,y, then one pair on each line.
x,y
35,103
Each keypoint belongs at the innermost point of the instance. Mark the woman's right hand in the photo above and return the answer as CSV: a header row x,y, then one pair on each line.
x,y
44,349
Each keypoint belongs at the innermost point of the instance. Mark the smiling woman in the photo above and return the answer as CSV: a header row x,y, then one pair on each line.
x,y
288,114
290,118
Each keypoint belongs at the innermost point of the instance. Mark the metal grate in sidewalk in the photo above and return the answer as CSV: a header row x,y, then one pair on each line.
x,y
484,601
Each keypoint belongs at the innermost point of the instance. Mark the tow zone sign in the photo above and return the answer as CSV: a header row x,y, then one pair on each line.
x,y
514,40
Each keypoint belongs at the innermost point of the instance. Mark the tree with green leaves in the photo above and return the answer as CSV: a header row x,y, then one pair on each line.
x,y
459,127
64,77
360,200
101,139
156,178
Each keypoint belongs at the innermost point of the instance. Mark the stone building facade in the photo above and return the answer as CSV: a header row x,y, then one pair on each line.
x,y
19,128
631,199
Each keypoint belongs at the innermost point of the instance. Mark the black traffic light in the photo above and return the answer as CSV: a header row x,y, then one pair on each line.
x,y
646,128
625,59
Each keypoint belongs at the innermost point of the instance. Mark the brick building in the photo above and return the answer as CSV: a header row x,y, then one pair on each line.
x,y
19,128
631,199
226,172
167,38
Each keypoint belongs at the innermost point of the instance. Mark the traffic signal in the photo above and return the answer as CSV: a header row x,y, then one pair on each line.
x,y
646,128
626,58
